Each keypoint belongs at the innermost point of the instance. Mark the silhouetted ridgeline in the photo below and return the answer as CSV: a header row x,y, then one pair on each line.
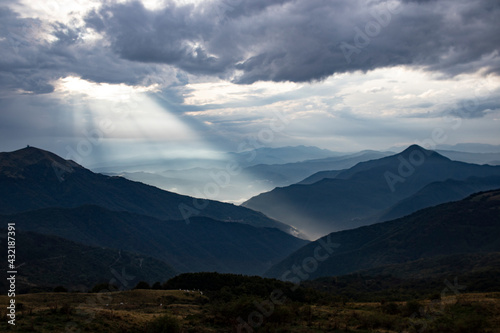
x,y
468,226
362,194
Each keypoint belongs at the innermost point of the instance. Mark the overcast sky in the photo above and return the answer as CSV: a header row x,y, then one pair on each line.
x,y
100,80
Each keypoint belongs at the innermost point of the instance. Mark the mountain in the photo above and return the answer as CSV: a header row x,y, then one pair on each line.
x,y
44,262
156,165
471,148
468,226
440,192
476,158
157,180
32,178
203,244
491,159
280,155
244,158
320,176
359,195
440,266
286,174
430,278
249,181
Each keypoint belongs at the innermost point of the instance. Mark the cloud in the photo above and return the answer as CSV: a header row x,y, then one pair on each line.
x,y
34,54
301,41
247,41
475,108
345,73
18,51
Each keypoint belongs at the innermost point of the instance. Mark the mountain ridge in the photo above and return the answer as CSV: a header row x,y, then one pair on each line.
x,y
357,195
203,244
46,180
470,225
46,261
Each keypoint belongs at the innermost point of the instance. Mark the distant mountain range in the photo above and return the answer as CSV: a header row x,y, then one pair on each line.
x,y
286,174
471,148
263,169
476,148
32,178
281,155
469,226
476,158
364,193
244,158
251,179
43,193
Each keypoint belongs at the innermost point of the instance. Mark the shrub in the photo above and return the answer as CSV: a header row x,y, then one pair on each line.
x,y
60,289
390,308
282,314
164,324
412,308
435,296
100,287
142,285
378,320
20,306
66,308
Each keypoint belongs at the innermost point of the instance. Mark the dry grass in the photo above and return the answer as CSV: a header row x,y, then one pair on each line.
x,y
131,311
125,311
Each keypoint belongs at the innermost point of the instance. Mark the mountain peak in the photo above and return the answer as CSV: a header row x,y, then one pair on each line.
x,y
14,164
414,149
413,146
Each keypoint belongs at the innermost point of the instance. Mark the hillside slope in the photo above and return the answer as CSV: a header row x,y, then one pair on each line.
x,y
440,192
44,262
201,245
471,225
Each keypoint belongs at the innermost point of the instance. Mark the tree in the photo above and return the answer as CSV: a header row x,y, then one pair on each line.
x,y
60,289
142,285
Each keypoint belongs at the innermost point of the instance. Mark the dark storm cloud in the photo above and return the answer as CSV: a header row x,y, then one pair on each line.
x,y
19,54
30,62
476,107
306,40
159,37
252,40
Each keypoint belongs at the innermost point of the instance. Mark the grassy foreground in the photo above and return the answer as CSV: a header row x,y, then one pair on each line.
x,y
191,311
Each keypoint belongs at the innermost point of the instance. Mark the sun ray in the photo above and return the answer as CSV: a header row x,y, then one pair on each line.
x,y
126,116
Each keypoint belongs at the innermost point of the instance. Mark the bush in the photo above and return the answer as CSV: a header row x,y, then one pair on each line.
x,y
164,324
66,308
142,285
20,306
378,320
435,296
60,289
282,314
412,309
390,308
100,287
